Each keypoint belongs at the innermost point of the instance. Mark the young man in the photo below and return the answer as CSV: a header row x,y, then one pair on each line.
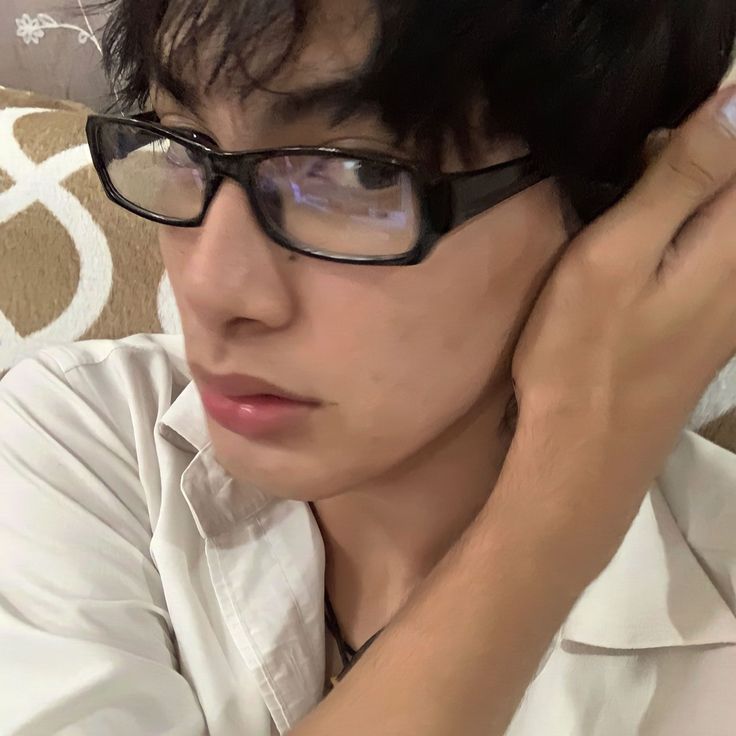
x,y
382,223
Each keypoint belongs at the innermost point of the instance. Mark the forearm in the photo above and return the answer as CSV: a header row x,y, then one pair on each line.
x,y
459,656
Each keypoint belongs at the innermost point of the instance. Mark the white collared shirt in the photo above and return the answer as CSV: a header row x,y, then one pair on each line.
x,y
144,591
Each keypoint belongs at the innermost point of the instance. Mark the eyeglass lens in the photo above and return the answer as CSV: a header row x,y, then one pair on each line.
x,y
331,204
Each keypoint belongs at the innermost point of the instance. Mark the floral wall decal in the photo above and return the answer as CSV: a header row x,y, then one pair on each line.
x,y
68,67
33,28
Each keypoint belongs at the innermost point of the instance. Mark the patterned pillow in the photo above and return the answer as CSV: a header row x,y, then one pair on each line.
x,y
74,266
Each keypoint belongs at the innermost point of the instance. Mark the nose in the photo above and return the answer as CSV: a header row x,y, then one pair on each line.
x,y
232,273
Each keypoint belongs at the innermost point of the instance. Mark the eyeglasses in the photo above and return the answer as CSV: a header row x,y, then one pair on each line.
x,y
333,204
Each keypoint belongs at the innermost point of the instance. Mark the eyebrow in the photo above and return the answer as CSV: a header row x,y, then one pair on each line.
x,y
180,91
337,99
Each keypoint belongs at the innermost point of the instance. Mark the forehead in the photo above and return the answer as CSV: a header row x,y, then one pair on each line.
x,y
277,63
288,81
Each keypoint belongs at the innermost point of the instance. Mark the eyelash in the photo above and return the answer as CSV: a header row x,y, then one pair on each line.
x,y
204,139
197,137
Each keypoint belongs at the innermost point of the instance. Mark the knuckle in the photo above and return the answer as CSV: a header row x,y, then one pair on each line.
x,y
601,259
594,260
715,226
705,225
693,163
696,178
600,268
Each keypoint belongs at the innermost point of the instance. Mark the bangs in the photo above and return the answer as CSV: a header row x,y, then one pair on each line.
x,y
581,84
223,48
207,48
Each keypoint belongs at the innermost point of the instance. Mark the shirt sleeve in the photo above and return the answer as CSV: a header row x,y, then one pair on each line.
x,y
86,645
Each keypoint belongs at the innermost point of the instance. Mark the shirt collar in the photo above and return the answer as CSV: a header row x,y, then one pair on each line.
x,y
272,600
217,501
186,419
654,593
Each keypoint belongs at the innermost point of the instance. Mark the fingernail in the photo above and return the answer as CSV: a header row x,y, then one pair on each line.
x,y
728,114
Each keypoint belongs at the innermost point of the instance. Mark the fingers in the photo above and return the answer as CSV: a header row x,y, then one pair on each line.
x,y
702,262
698,161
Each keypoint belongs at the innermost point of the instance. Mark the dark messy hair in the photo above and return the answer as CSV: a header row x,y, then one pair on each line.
x,y
583,82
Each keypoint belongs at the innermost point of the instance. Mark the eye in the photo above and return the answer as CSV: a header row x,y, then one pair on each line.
x,y
354,173
198,137
182,157
375,175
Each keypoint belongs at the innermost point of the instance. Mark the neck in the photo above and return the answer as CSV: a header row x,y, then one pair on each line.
x,y
384,537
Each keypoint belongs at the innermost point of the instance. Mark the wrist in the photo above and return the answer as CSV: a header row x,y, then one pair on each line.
x,y
547,506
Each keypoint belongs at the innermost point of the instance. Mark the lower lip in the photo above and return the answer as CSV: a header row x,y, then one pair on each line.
x,y
253,416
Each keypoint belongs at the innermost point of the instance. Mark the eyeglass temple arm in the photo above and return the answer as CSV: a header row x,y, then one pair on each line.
x,y
467,195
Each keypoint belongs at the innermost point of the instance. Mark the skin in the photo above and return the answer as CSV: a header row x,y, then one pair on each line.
x,y
411,364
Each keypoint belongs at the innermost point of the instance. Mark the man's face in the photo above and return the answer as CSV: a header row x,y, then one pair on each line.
x,y
400,359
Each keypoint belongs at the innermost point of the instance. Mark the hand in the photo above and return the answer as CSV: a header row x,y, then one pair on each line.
x,y
633,325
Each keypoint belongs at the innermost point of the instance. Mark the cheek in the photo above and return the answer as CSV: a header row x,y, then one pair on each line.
x,y
169,246
406,369
430,337
418,345
174,242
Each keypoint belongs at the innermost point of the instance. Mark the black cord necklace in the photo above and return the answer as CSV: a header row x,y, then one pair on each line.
x,y
348,655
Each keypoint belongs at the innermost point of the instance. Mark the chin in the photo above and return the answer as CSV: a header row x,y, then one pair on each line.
x,y
306,466
277,470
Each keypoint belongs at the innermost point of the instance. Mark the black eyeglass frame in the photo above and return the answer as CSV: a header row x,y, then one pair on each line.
x,y
446,201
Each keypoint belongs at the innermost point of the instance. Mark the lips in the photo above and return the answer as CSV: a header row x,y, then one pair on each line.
x,y
240,386
252,407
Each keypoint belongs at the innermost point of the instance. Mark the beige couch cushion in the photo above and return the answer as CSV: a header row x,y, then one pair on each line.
x,y
74,266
